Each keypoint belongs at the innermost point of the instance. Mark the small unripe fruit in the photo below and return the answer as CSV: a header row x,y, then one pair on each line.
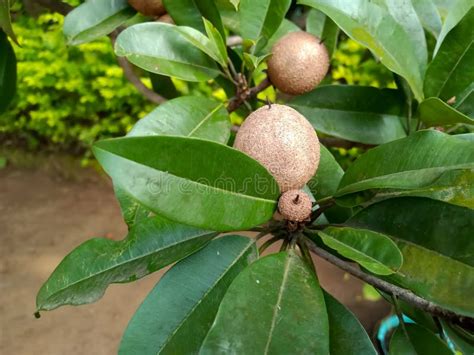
x,y
299,62
283,141
153,8
295,206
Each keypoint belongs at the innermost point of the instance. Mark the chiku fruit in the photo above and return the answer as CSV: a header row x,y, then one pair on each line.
x,y
298,63
295,206
283,141
148,7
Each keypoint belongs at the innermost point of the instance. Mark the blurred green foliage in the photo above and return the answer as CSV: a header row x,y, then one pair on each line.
x,y
68,97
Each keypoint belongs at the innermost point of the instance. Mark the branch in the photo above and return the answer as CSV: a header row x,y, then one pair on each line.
x,y
387,287
238,100
55,6
132,77
233,41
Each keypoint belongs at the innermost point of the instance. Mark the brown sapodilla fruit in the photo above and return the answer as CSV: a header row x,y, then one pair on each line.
x,y
295,205
148,7
283,141
298,63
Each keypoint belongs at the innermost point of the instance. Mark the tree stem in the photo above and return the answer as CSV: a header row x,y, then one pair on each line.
x,y
387,287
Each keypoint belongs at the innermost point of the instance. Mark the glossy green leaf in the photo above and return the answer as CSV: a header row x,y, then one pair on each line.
x,y
420,341
390,29
8,75
83,275
346,334
356,113
178,312
457,10
192,181
217,42
190,13
259,19
5,19
437,244
440,167
464,102
435,112
462,339
162,49
323,27
374,251
428,15
274,306
285,27
132,211
187,116
94,19
326,180
452,70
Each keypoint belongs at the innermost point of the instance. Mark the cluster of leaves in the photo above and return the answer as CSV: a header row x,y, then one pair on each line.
x,y
403,211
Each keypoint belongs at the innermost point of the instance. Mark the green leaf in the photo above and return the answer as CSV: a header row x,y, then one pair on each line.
x,y
346,334
94,19
172,57
163,85
5,20
8,75
217,42
428,15
462,339
191,181
132,211
285,27
178,312
356,113
83,275
323,27
435,112
465,102
374,251
274,306
190,13
259,19
326,180
451,71
390,29
187,116
439,166
457,10
419,341
437,246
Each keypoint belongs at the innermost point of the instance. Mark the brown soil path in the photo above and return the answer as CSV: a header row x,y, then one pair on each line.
x,y
42,218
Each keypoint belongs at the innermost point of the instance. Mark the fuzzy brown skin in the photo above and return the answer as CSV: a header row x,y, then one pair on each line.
x,y
283,141
166,18
298,63
295,206
153,8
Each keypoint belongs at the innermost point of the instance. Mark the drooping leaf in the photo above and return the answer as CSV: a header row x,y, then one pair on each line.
x,y
323,27
191,181
190,13
390,29
94,19
285,27
457,10
462,339
356,113
275,306
435,112
162,49
8,75
346,334
429,16
259,19
178,312
374,251
439,166
437,244
420,341
5,20
83,275
451,71
187,116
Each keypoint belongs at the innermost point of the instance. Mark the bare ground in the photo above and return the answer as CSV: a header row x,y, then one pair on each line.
x,y
43,216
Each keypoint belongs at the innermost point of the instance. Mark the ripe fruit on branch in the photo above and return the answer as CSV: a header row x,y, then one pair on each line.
x,y
299,62
295,206
148,7
283,141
